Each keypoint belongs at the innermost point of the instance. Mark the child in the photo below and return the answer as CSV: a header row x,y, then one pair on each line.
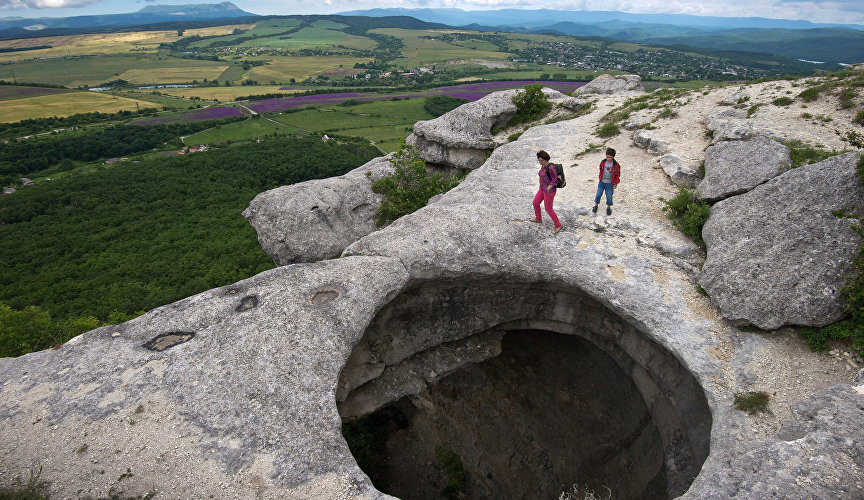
x,y
610,176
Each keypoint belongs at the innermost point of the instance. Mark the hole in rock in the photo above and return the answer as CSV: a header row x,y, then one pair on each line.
x,y
459,390
550,411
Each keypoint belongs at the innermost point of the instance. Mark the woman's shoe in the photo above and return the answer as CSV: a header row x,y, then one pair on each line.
x,y
608,210
557,229
594,210
533,220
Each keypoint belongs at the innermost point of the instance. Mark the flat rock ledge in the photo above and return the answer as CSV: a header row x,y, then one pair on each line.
x,y
778,254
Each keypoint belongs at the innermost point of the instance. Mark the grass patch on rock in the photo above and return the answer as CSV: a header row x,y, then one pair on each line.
x,y
752,402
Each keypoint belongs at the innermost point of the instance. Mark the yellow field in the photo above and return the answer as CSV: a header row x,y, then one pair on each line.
x,y
105,43
227,93
65,105
218,30
281,69
143,76
78,45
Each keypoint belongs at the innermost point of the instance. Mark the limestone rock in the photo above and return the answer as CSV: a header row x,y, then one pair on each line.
x,y
648,139
8,189
225,394
859,379
734,167
818,454
26,182
573,103
777,255
609,84
315,220
636,121
682,173
462,137
735,98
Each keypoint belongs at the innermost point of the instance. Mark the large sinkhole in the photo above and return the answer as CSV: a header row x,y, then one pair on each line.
x,y
499,390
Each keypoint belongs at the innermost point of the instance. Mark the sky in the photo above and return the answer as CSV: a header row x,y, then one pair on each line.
x,y
819,11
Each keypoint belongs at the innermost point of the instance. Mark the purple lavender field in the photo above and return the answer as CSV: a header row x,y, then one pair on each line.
x,y
471,91
193,116
14,92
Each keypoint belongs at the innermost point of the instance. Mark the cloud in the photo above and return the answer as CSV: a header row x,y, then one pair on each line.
x,y
44,4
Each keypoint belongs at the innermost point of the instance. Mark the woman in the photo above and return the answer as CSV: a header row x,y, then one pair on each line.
x,y
546,193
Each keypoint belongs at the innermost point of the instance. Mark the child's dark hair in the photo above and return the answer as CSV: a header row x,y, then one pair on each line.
x,y
543,154
610,152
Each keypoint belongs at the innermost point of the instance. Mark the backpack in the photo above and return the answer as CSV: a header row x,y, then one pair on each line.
x,y
559,169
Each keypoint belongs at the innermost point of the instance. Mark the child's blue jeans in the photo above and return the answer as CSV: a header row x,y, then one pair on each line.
x,y
601,187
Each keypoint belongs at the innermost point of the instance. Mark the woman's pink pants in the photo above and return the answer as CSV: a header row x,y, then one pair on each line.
x,y
546,198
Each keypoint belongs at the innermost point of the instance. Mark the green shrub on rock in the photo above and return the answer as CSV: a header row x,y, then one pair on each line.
x,y
409,187
531,103
688,213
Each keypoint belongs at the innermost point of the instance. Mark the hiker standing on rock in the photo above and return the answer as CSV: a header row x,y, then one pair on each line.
x,y
548,182
610,176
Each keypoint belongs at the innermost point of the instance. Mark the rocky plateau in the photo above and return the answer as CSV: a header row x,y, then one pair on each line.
x,y
491,334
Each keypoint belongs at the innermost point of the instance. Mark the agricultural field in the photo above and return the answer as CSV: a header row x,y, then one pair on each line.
x,y
309,38
81,45
265,28
385,123
192,70
224,94
9,92
66,104
283,68
245,130
211,113
424,51
92,70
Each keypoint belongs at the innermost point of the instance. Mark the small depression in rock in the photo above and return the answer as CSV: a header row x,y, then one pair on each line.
x,y
548,389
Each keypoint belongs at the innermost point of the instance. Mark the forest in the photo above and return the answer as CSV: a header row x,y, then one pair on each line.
x,y
21,157
134,236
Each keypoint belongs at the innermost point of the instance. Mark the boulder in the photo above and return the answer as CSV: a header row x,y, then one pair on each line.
x,y
734,99
8,189
609,84
462,137
636,121
777,255
681,172
735,167
315,220
817,454
573,103
26,182
648,139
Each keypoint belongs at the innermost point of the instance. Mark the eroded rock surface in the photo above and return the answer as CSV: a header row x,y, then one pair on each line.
x,y
462,137
682,172
818,454
778,254
735,167
315,220
611,84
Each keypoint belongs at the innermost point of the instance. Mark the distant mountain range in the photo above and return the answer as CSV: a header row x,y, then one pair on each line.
x,y
148,15
796,39
544,17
